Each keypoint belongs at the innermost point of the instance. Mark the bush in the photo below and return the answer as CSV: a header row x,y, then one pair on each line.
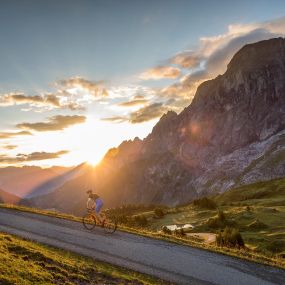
x,y
159,213
179,232
257,225
205,203
218,221
230,237
166,230
140,220
121,219
221,216
276,246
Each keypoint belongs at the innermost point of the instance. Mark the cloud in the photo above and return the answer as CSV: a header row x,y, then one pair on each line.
x,y
7,135
161,72
55,123
131,91
47,101
135,102
9,147
144,114
147,113
115,119
138,96
34,156
96,88
187,59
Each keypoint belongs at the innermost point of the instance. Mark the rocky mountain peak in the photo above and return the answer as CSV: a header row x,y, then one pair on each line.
x,y
245,104
253,56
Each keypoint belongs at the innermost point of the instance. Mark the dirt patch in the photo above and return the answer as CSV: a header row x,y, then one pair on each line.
x,y
205,237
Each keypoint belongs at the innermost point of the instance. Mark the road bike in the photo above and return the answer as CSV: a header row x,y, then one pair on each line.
x,y
90,220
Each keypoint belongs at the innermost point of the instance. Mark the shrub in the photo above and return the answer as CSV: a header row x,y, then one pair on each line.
x,y
180,232
218,221
140,220
257,225
121,219
159,213
230,237
166,230
205,203
221,216
276,246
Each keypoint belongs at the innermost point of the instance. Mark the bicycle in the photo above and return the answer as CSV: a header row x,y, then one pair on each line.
x,y
90,220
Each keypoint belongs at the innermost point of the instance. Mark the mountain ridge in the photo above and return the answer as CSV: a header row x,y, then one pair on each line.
x,y
233,133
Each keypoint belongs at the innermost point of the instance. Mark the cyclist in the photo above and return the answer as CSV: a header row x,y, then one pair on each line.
x,y
94,202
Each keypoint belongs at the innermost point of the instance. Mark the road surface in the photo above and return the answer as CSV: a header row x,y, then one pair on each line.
x,y
172,262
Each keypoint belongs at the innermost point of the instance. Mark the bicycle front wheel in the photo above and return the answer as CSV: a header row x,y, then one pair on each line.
x,y
110,226
89,222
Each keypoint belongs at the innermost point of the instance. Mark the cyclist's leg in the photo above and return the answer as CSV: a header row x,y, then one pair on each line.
x,y
99,205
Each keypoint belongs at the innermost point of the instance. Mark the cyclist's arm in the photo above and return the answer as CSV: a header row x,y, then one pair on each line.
x,y
90,204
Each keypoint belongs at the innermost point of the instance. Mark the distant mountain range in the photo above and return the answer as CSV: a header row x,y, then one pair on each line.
x,y
30,181
232,134
8,198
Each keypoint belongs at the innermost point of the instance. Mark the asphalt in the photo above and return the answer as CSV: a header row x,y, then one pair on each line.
x,y
168,261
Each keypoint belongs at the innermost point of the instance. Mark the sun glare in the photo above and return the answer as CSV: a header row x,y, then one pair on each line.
x,y
87,142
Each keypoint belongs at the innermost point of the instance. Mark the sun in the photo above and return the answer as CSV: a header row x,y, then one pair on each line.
x,y
94,161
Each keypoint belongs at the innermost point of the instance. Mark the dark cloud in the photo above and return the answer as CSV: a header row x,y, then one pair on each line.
x,y
7,135
55,123
34,156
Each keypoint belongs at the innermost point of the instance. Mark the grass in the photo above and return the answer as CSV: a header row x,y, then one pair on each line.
x,y
24,262
257,210
41,212
183,215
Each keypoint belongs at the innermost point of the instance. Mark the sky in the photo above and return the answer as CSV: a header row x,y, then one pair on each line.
x,y
79,77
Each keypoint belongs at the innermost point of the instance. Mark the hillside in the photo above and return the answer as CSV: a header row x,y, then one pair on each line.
x,y
257,210
232,134
8,198
28,181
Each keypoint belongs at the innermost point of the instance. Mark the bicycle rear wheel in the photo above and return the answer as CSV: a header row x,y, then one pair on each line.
x,y
89,222
110,226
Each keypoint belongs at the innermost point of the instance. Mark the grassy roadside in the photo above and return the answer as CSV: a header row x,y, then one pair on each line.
x,y
247,253
24,262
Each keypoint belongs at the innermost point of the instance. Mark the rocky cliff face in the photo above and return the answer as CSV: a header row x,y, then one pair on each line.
x,y
233,133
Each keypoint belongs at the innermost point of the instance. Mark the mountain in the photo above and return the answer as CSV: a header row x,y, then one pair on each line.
x,y
232,134
58,180
29,181
8,198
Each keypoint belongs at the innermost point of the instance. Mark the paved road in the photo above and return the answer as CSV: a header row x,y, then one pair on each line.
x,y
176,263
